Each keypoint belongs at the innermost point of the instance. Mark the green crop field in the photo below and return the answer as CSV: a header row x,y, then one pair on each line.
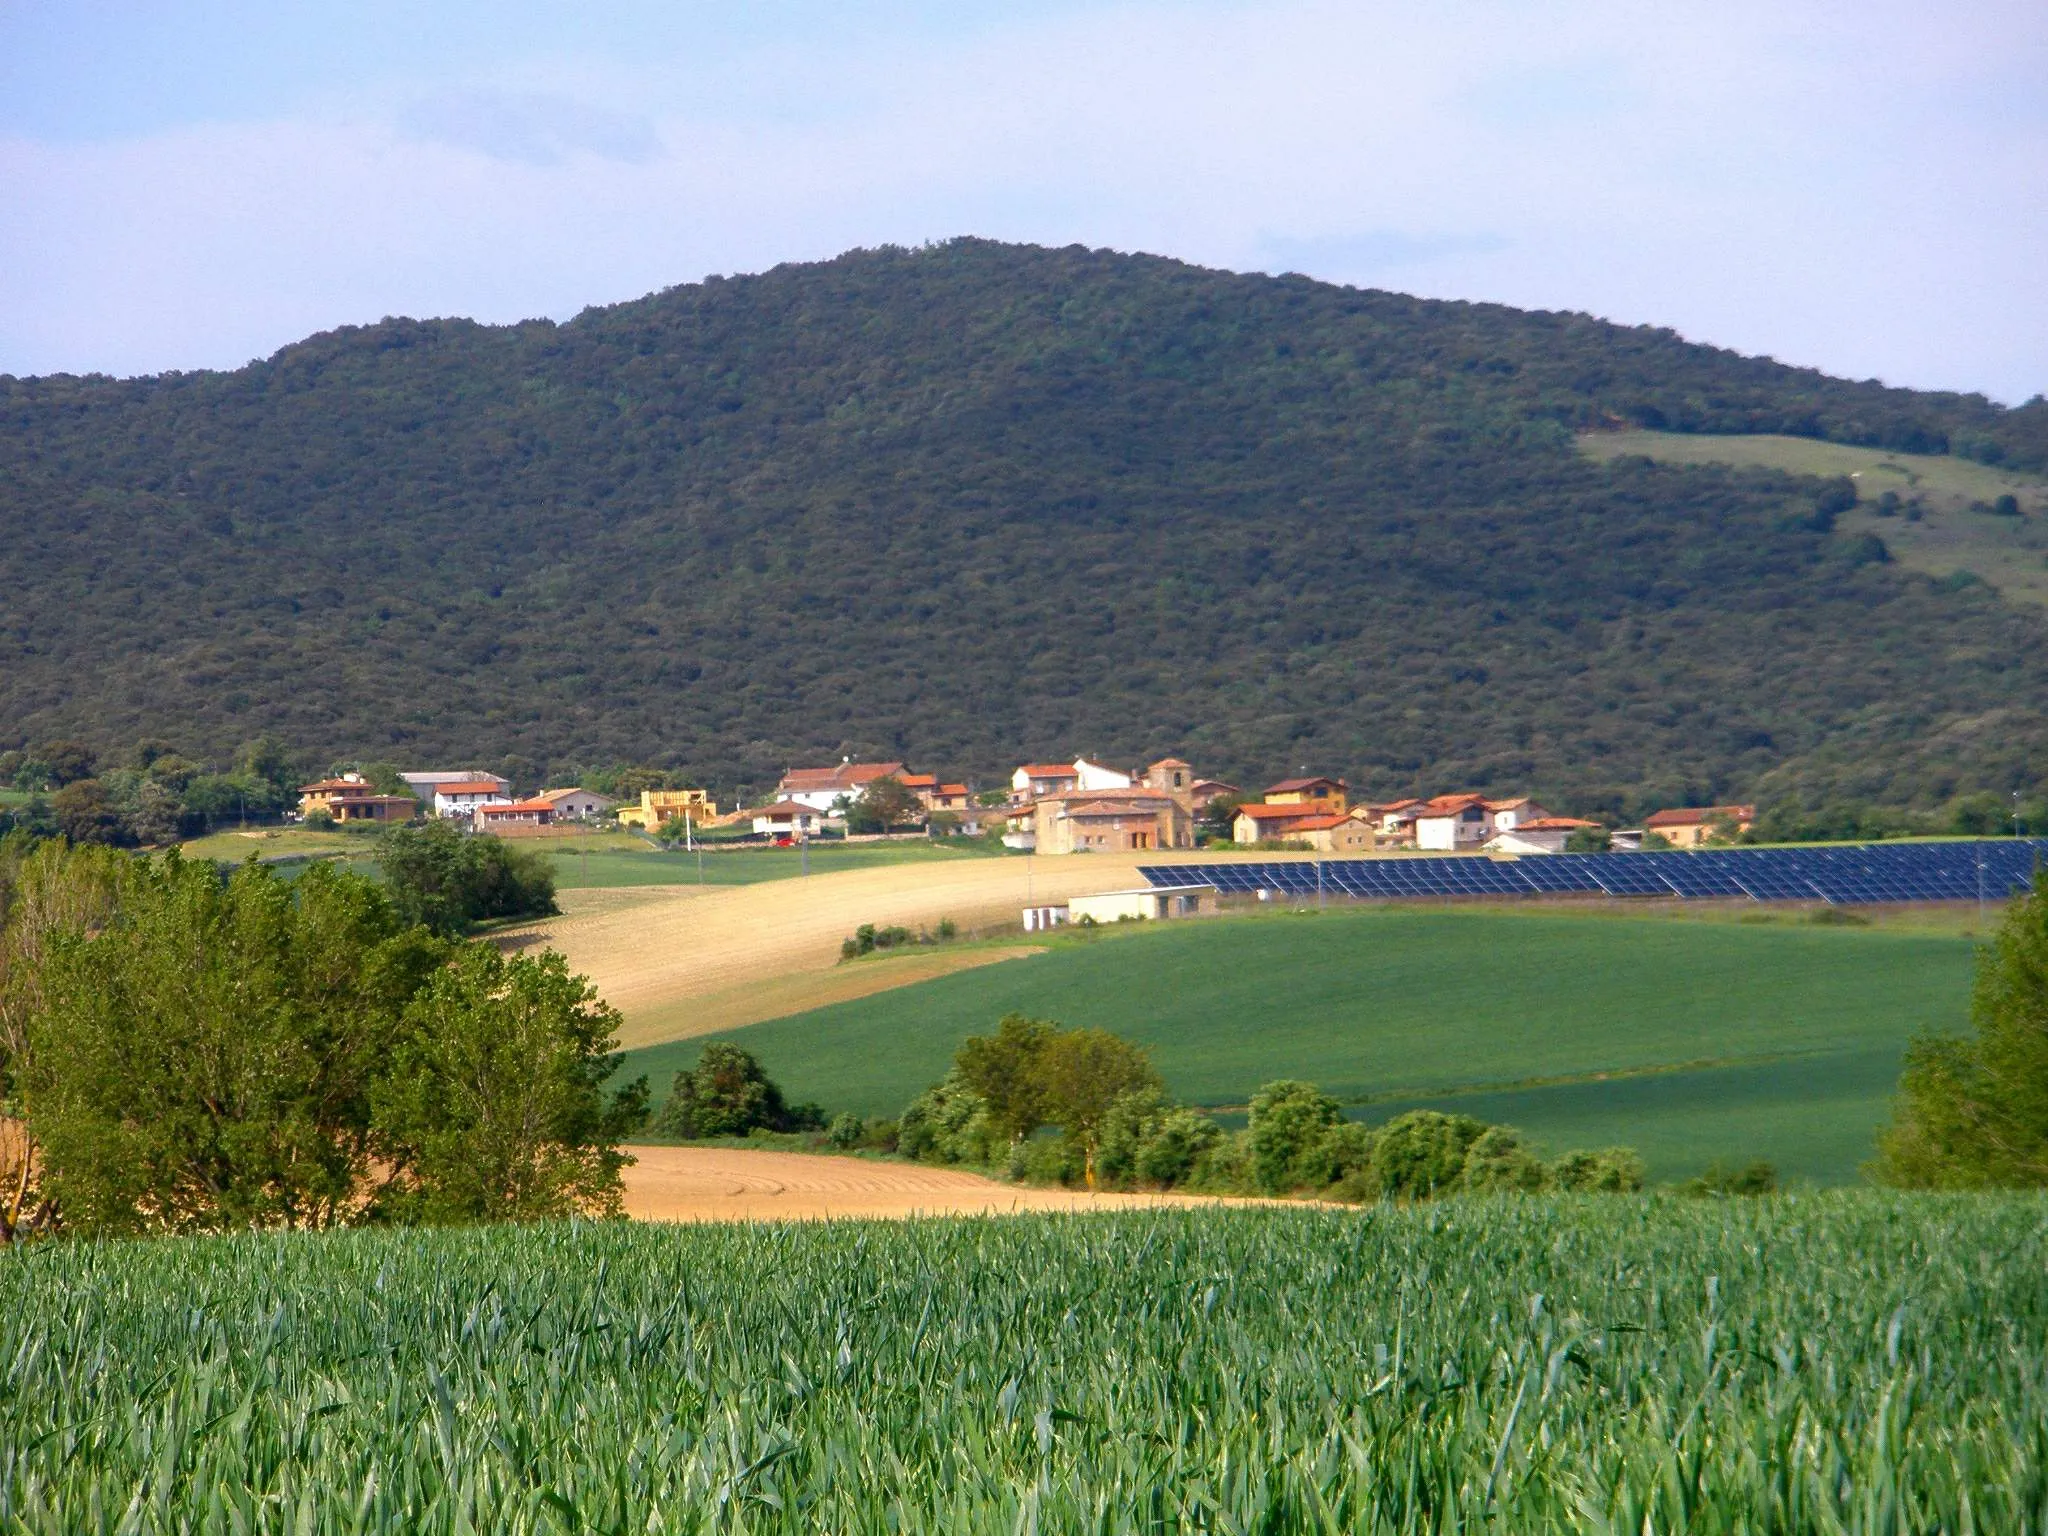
x,y
624,861
1940,535
1687,1039
1859,1362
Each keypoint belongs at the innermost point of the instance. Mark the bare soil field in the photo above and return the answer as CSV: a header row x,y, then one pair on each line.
x,y
679,961
734,1184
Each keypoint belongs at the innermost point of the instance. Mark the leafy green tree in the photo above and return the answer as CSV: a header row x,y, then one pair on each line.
x,y
949,1123
883,805
67,762
1085,1072
727,1093
266,759
1423,1153
450,880
494,1108
86,813
1288,1119
1499,1161
199,1051
1589,840
1972,1112
1007,1072
1607,1171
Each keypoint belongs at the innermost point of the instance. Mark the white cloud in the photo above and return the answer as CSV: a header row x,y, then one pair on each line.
x,y
1863,189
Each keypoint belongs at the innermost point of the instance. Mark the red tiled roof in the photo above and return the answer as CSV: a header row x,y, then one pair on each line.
x,y
952,789
840,776
918,780
1289,786
1551,824
1450,805
1279,812
1508,805
470,787
517,808
1322,823
1049,771
786,810
327,785
1170,762
552,795
1692,816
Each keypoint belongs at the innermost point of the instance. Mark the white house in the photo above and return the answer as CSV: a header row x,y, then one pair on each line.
x,y
821,788
461,797
789,818
423,785
1510,814
1450,823
1093,776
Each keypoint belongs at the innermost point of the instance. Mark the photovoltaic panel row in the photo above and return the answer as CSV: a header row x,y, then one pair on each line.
x,y
1850,875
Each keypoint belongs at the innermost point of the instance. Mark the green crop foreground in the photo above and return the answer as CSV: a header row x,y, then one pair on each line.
x,y
1859,1362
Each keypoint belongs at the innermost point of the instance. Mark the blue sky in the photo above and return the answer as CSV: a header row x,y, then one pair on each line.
x,y
1858,186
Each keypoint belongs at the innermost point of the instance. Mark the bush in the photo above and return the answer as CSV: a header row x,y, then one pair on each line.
x,y
1757,1178
1288,1118
846,1131
949,1123
1422,1153
1611,1170
726,1094
1500,1162
449,880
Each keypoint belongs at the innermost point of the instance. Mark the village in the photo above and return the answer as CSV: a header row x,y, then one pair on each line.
x,y
1074,807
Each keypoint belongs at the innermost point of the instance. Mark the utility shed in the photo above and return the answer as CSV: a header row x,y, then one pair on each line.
x,y
1154,902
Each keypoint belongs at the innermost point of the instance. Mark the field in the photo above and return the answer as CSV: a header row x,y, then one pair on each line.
x,y
1688,1038
232,845
607,861
684,960
1947,536
1842,1362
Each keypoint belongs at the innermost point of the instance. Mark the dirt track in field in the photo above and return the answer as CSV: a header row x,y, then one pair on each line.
x,y
733,1184
689,960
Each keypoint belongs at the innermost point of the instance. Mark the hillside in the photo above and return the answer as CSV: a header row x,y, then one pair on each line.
x,y
977,502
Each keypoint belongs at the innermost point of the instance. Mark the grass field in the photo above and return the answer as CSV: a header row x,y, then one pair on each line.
x,y
233,846
2009,553
1864,1363
1688,1039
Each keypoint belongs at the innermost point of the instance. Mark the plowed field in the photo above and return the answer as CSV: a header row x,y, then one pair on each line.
x,y
733,1184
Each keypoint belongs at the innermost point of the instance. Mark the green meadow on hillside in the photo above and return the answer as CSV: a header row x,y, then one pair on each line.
x,y
1689,1039
1864,1362
612,861
1946,532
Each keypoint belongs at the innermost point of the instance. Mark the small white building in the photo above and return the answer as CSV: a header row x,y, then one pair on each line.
x,y
1544,834
1038,919
1149,902
789,818
1093,776
1452,823
424,785
1510,814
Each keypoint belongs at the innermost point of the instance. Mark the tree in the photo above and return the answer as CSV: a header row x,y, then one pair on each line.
x,y
86,813
66,762
449,880
1499,1161
1972,1112
495,1108
882,805
1287,1119
727,1093
1006,1071
199,1050
1085,1072
1422,1153
1589,840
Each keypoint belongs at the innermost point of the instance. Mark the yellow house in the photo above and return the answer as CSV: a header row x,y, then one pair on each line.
x,y
659,805
1331,795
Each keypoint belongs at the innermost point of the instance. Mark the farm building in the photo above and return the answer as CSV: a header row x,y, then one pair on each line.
x,y
659,805
1330,833
1545,834
506,815
350,797
461,797
1154,903
1451,822
1263,823
1332,795
423,785
1103,821
822,788
1693,825
789,818
576,804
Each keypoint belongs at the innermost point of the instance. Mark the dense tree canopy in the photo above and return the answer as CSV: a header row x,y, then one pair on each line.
x,y
977,503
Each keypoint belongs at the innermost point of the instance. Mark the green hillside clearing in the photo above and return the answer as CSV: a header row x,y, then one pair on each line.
x,y
1939,528
1688,1039
606,862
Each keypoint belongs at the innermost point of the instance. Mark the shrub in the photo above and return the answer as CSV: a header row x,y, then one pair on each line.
x,y
948,1123
1500,1162
725,1094
846,1131
449,880
1611,1170
1287,1119
1422,1153
1757,1178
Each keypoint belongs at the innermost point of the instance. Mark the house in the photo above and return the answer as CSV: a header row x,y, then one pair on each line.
x,y
507,814
1452,822
1205,792
350,797
1693,825
1264,823
1020,829
659,805
461,797
934,795
1332,795
1332,833
1509,814
822,788
789,818
423,785
1101,821
1035,781
1153,902
577,804
1093,776
1542,834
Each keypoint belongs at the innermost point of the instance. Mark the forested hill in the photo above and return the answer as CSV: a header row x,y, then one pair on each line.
x,y
977,503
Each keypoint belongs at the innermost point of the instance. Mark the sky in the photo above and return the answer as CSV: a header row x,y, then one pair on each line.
x,y
1858,186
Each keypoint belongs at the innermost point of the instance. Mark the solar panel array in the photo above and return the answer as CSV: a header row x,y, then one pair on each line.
x,y
1861,874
